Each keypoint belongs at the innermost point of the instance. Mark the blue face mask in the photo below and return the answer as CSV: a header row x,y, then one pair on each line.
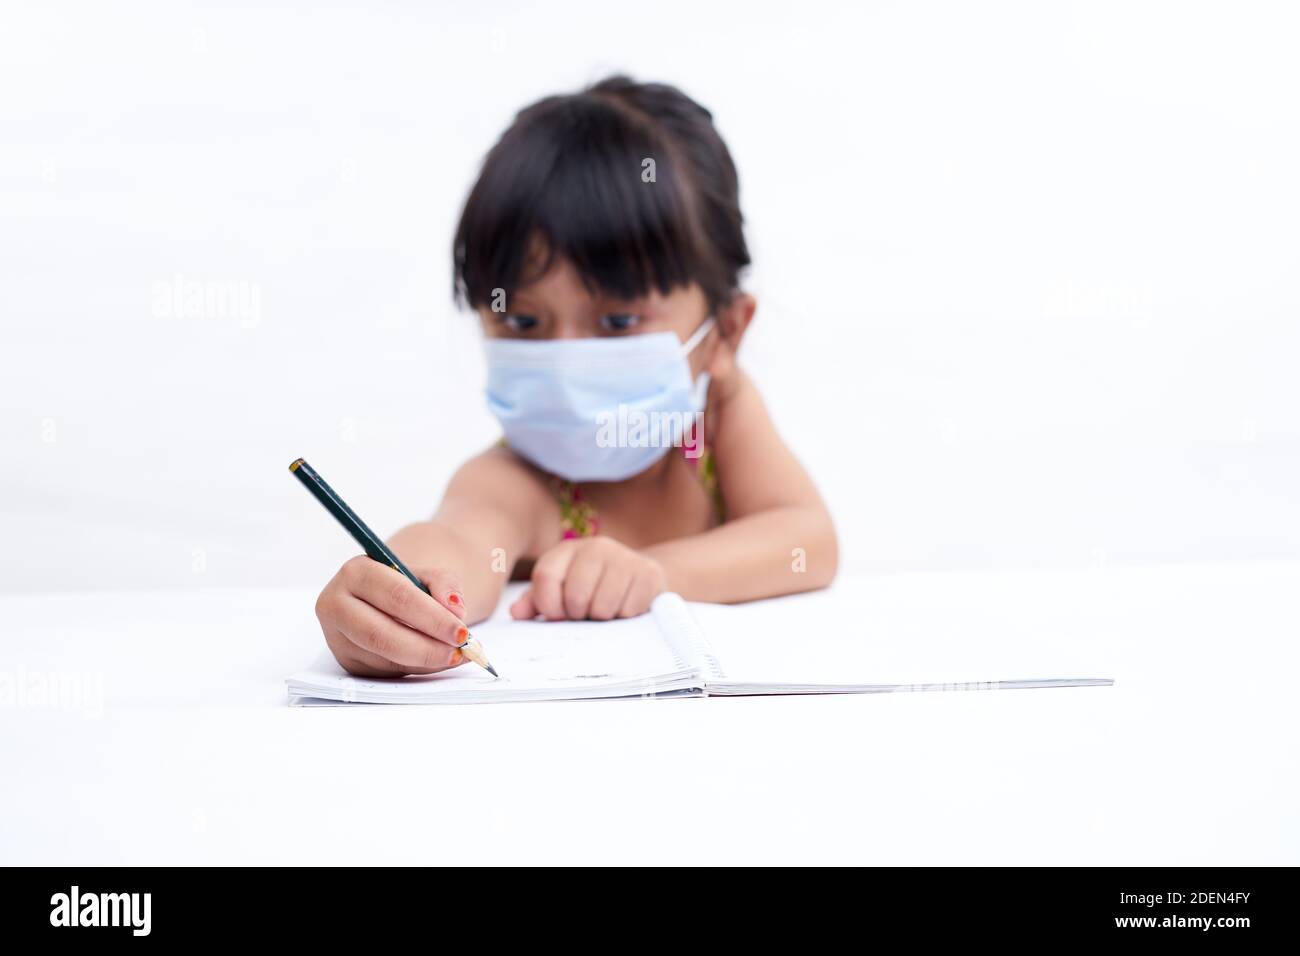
x,y
600,409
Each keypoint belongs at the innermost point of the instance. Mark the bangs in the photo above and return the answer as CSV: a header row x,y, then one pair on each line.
x,y
566,181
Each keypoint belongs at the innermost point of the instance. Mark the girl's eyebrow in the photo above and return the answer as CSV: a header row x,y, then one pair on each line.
x,y
519,305
609,304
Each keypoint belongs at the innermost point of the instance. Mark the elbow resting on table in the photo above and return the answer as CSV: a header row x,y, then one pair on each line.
x,y
822,556
809,554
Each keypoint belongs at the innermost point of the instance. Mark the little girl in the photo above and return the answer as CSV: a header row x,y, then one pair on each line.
x,y
601,248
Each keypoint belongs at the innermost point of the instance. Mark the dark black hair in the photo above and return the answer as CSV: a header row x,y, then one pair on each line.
x,y
566,179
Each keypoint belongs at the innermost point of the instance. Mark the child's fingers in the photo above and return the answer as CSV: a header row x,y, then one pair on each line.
x,y
446,589
524,609
360,662
613,587
548,580
580,582
637,600
354,660
379,635
390,591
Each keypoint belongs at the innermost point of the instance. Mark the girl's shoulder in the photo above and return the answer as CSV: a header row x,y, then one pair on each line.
x,y
497,471
733,399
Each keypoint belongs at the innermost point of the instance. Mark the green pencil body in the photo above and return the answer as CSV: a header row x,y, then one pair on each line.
x,y
370,542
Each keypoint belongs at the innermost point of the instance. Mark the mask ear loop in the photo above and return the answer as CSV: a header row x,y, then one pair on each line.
x,y
700,387
698,335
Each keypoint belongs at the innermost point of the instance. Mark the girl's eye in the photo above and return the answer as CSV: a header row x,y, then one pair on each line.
x,y
519,323
619,322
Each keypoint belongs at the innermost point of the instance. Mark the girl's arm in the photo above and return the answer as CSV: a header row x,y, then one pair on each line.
x,y
492,514
778,537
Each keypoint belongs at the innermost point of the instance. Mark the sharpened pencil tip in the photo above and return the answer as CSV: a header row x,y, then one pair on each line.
x,y
473,651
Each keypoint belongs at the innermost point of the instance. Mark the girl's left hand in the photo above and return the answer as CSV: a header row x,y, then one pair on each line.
x,y
595,578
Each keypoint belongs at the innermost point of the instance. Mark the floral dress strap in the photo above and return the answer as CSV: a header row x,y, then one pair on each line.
x,y
579,519
706,469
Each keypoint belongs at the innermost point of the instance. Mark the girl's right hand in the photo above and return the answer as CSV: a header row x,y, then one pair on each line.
x,y
378,624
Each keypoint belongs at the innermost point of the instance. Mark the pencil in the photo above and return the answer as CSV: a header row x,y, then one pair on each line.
x,y
374,546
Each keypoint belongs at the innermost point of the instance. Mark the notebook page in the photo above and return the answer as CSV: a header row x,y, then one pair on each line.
x,y
682,632
536,660
921,631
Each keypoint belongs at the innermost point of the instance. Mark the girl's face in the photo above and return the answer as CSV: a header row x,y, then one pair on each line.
x,y
559,306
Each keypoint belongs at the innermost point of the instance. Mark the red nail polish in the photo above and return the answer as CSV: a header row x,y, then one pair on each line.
x,y
454,598
462,634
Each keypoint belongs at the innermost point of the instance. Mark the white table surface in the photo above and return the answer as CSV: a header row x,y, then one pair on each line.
x,y
192,756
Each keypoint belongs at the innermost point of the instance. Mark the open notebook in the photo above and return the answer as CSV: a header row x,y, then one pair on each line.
x,y
811,644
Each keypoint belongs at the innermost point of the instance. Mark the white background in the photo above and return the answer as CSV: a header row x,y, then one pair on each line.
x,y
1027,272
